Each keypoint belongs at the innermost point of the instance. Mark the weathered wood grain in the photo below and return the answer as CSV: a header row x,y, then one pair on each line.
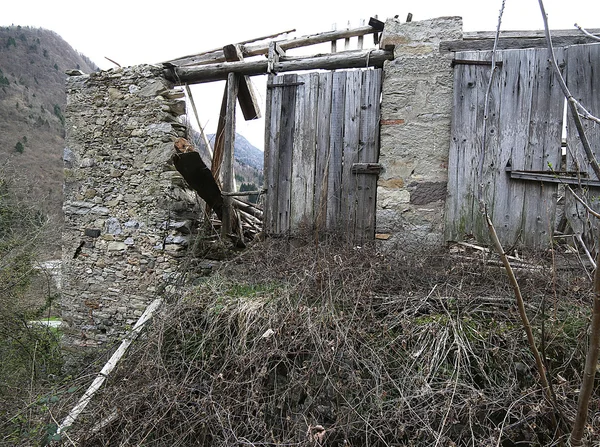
x,y
215,72
285,155
349,196
336,147
368,154
272,133
229,143
328,123
322,150
524,125
583,66
464,150
513,43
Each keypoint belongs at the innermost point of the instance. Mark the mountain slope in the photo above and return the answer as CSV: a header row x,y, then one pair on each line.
x,y
33,62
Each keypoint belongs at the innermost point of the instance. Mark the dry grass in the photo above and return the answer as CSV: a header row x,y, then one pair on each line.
x,y
299,345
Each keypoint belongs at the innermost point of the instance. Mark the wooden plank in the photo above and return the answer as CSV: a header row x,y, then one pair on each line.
x,y
272,134
477,35
215,72
543,150
336,144
350,152
217,160
368,156
513,43
246,95
322,149
303,164
583,66
515,112
463,152
285,157
228,153
553,178
479,227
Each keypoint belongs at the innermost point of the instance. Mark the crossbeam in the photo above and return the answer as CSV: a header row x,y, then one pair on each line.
x,y
216,72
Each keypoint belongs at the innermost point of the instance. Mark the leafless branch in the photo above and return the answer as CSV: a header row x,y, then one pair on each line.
x,y
573,103
587,33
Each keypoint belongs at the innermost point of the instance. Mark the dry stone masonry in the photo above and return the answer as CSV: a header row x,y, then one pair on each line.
x,y
127,221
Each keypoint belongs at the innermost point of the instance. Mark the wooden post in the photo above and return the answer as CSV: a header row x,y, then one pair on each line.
x,y
229,143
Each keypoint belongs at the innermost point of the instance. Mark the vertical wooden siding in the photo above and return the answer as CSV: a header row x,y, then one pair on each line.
x,y
583,80
318,125
524,126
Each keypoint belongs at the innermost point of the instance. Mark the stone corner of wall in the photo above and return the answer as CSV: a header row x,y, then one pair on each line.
x,y
421,32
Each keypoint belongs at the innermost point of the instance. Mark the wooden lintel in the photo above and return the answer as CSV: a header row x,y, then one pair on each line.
x,y
367,168
478,35
215,72
246,95
508,43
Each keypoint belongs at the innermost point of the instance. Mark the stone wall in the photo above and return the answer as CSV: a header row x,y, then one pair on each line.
x,y
126,218
415,130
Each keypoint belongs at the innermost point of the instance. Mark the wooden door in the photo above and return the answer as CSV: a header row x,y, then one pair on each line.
x,y
321,151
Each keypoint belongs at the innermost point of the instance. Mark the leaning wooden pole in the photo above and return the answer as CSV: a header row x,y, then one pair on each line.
x,y
110,365
228,152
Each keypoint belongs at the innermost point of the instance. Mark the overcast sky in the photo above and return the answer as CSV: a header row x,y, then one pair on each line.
x,y
132,32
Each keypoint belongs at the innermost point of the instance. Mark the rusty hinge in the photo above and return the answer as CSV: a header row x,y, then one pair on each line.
x,y
470,62
367,168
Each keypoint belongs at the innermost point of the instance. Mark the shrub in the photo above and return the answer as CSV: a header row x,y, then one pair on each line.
x,y
19,147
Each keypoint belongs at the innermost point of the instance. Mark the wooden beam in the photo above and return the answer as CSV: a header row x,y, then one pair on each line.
x,y
477,35
229,143
217,160
263,48
214,72
213,55
513,43
246,96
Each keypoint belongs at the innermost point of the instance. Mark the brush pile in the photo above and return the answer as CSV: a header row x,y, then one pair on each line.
x,y
321,346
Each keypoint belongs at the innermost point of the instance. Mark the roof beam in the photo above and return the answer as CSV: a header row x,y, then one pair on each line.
x,y
215,72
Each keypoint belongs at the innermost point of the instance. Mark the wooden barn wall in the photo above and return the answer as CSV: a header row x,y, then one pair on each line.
x,y
524,128
583,80
318,126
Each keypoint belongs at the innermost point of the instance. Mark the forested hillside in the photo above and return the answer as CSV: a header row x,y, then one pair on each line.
x,y
33,62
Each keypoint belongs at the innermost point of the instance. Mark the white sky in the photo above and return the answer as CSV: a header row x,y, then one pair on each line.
x,y
140,31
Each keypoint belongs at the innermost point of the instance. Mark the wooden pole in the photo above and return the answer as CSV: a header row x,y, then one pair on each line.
x,y
110,365
229,143
214,72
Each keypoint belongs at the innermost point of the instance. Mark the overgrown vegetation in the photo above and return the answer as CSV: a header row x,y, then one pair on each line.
x,y
30,353
304,345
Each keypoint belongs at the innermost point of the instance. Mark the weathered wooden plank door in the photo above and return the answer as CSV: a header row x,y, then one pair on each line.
x,y
318,126
583,66
523,132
